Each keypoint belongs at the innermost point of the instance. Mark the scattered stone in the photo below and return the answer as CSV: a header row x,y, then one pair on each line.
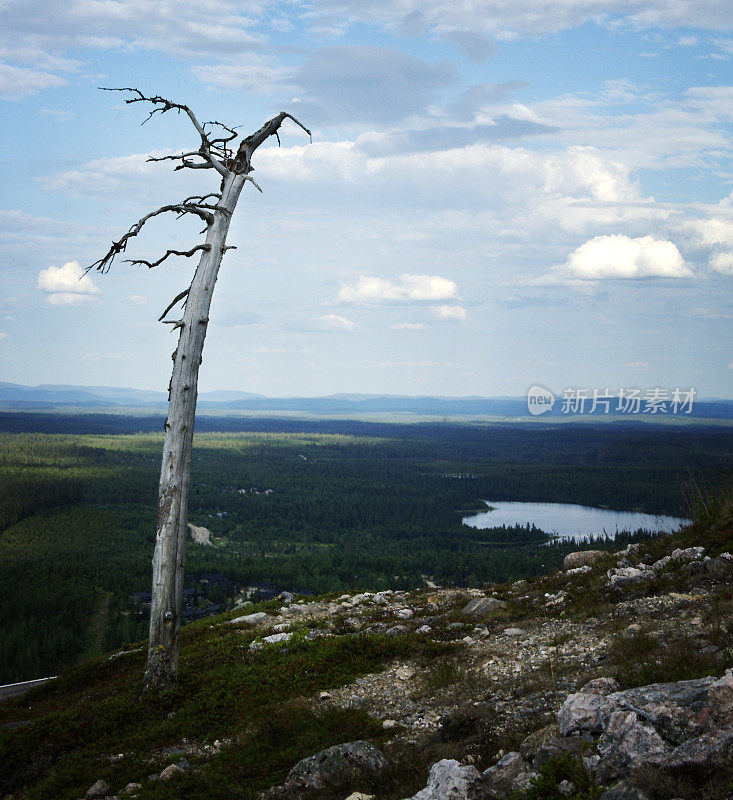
x,y
624,791
251,619
97,790
534,741
513,632
275,638
171,771
501,776
388,724
720,696
627,745
337,766
360,796
566,787
601,686
583,712
621,577
583,558
480,606
404,613
324,696
448,780
131,788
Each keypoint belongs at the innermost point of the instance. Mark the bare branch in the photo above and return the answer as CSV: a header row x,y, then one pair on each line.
x,y
103,264
256,185
178,297
168,253
201,198
162,106
241,163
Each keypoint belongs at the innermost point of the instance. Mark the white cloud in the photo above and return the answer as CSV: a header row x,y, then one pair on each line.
x,y
407,288
4,335
450,313
407,326
138,299
722,263
17,82
619,256
333,322
67,285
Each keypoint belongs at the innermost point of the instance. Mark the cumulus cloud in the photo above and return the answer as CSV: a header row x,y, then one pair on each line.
x,y
450,313
407,288
17,82
407,326
332,322
619,256
67,285
722,263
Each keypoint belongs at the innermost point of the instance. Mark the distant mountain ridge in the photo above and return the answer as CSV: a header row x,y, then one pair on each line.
x,y
15,396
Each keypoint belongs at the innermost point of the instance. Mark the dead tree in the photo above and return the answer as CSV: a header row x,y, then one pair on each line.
x,y
215,209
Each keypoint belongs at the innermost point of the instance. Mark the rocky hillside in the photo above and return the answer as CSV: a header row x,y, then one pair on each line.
x,y
609,679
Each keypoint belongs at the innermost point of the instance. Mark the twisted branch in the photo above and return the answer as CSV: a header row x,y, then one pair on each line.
x,y
168,253
103,264
242,161
178,297
162,106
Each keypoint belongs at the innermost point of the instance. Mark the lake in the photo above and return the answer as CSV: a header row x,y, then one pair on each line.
x,y
570,521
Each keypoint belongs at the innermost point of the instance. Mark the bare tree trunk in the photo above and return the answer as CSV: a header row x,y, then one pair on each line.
x,y
213,153
172,525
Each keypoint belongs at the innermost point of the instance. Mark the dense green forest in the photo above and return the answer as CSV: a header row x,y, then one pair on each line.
x,y
313,507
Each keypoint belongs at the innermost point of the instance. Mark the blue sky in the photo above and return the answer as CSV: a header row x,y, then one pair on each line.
x,y
497,194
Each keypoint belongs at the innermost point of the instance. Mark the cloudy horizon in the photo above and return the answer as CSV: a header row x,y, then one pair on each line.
x,y
494,196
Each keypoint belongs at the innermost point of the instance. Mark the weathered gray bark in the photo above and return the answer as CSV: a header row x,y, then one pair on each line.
x,y
172,522
172,526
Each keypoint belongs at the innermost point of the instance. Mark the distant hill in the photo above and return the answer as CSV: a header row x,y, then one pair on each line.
x,y
49,397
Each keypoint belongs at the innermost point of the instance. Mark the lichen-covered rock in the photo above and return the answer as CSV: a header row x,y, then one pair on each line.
x,y
703,755
627,744
720,697
97,790
558,747
583,713
338,766
621,577
601,686
448,780
250,619
170,772
623,790
480,606
500,778
583,558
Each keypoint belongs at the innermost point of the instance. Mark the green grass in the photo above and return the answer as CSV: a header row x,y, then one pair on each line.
x,y
95,711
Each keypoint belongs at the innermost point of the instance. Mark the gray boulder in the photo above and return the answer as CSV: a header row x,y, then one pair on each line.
x,y
448,780
97,790
250,619
627,744
704,755
622,577
720,696
624,791
500,778
480,606
337,767
583,558
583,713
